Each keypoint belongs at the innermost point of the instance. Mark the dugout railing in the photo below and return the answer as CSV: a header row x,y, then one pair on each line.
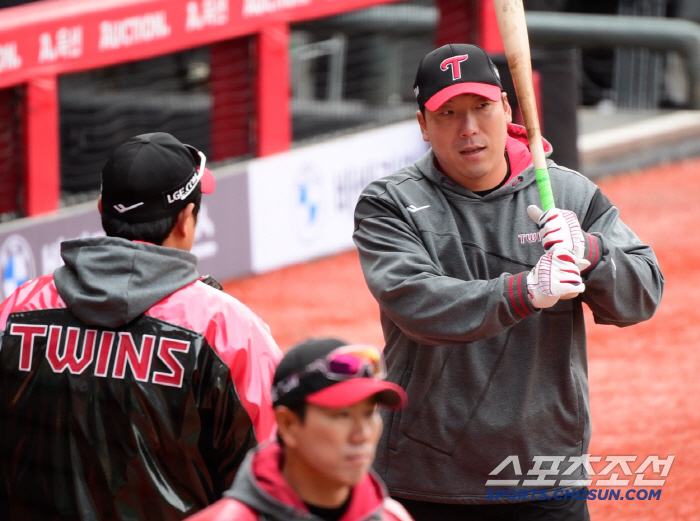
x,y
603,31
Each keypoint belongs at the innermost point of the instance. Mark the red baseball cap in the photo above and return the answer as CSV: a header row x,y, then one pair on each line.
x,y
331,373
349,392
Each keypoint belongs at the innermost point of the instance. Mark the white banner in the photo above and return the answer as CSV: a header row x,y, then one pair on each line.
x,y
302,201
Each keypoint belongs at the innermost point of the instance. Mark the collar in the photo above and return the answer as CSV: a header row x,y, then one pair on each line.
x,y
366,497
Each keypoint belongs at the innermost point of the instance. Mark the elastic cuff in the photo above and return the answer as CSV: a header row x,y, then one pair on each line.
x,y
592,252
517,292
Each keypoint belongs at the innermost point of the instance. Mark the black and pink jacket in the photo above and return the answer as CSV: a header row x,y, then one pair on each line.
x,y
260,493
129,389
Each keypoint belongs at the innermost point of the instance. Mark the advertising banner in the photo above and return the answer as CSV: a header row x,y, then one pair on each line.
x,y
302,201
65,36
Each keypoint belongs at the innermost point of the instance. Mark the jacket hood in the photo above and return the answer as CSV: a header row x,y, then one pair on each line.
x,y
519,150
108,281
260,485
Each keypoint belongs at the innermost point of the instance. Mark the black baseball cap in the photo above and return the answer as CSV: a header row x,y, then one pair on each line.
x,y
453,69
152,176
326,372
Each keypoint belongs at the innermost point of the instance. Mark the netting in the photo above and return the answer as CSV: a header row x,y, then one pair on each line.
x,y
10,152
102,108
356,69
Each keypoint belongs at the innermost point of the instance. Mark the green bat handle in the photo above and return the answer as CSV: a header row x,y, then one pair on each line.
x,y
545,188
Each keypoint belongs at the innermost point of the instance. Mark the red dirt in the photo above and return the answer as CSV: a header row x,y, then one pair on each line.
x,y
644,380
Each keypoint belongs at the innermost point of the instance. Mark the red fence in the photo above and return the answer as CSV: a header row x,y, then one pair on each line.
x,y
40,41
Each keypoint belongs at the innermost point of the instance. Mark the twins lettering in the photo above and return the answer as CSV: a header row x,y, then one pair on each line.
x,y
62,352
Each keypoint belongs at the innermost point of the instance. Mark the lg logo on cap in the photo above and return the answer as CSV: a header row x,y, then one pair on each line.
x,y
453,63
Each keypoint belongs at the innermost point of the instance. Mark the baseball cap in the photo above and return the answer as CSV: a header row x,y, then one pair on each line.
x,y
152,176
453,69
331,373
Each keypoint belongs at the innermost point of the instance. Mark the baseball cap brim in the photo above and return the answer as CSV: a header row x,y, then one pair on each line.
x,y
208,183
354,390
492,92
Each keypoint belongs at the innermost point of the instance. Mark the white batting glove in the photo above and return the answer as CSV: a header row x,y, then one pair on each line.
x,y
560,229
555,276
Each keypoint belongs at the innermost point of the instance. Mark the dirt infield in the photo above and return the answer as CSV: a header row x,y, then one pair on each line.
x,y
644,380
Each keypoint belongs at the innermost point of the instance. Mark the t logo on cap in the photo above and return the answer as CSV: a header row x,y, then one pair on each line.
x,y
472,72
453,63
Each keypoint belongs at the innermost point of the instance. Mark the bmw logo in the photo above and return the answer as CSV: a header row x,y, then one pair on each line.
x,y
309,199
16,264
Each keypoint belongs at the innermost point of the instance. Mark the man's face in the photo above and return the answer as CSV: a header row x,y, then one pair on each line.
x,y
468,136
337,446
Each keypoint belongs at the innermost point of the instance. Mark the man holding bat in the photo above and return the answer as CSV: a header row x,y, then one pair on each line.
x,y
484,327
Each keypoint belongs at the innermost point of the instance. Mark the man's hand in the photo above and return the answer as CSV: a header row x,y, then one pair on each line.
x,y
555,276
560,229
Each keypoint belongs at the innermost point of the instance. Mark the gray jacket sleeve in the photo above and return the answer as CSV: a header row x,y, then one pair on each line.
x,y
624,284
430,306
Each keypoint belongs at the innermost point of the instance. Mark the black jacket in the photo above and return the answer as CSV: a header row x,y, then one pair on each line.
x,y
129,390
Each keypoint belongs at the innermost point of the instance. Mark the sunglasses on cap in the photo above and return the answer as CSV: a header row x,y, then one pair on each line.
x,y
343,363
200,160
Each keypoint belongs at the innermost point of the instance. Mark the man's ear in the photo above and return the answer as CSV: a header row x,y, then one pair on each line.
x,y
507,108
288,424
99,204
423,127
181,225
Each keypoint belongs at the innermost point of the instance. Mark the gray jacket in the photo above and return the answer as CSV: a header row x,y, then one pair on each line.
x,y
488,376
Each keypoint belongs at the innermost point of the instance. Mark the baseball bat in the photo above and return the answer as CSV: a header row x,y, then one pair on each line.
x,y
511,23
516,45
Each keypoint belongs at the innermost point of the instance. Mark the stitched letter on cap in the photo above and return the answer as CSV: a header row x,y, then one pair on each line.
x,y
454,64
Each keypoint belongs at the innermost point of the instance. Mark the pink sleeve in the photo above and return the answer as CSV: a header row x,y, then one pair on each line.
x,y
240,338
395,511
6,308
39,293
253,377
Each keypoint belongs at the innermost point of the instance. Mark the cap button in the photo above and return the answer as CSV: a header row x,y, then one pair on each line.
x,y
145,140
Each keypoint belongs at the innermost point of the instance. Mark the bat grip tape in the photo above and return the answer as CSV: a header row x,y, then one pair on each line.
x,y
545,188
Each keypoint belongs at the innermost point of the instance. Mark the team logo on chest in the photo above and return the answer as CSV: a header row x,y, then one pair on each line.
x,y
529,237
